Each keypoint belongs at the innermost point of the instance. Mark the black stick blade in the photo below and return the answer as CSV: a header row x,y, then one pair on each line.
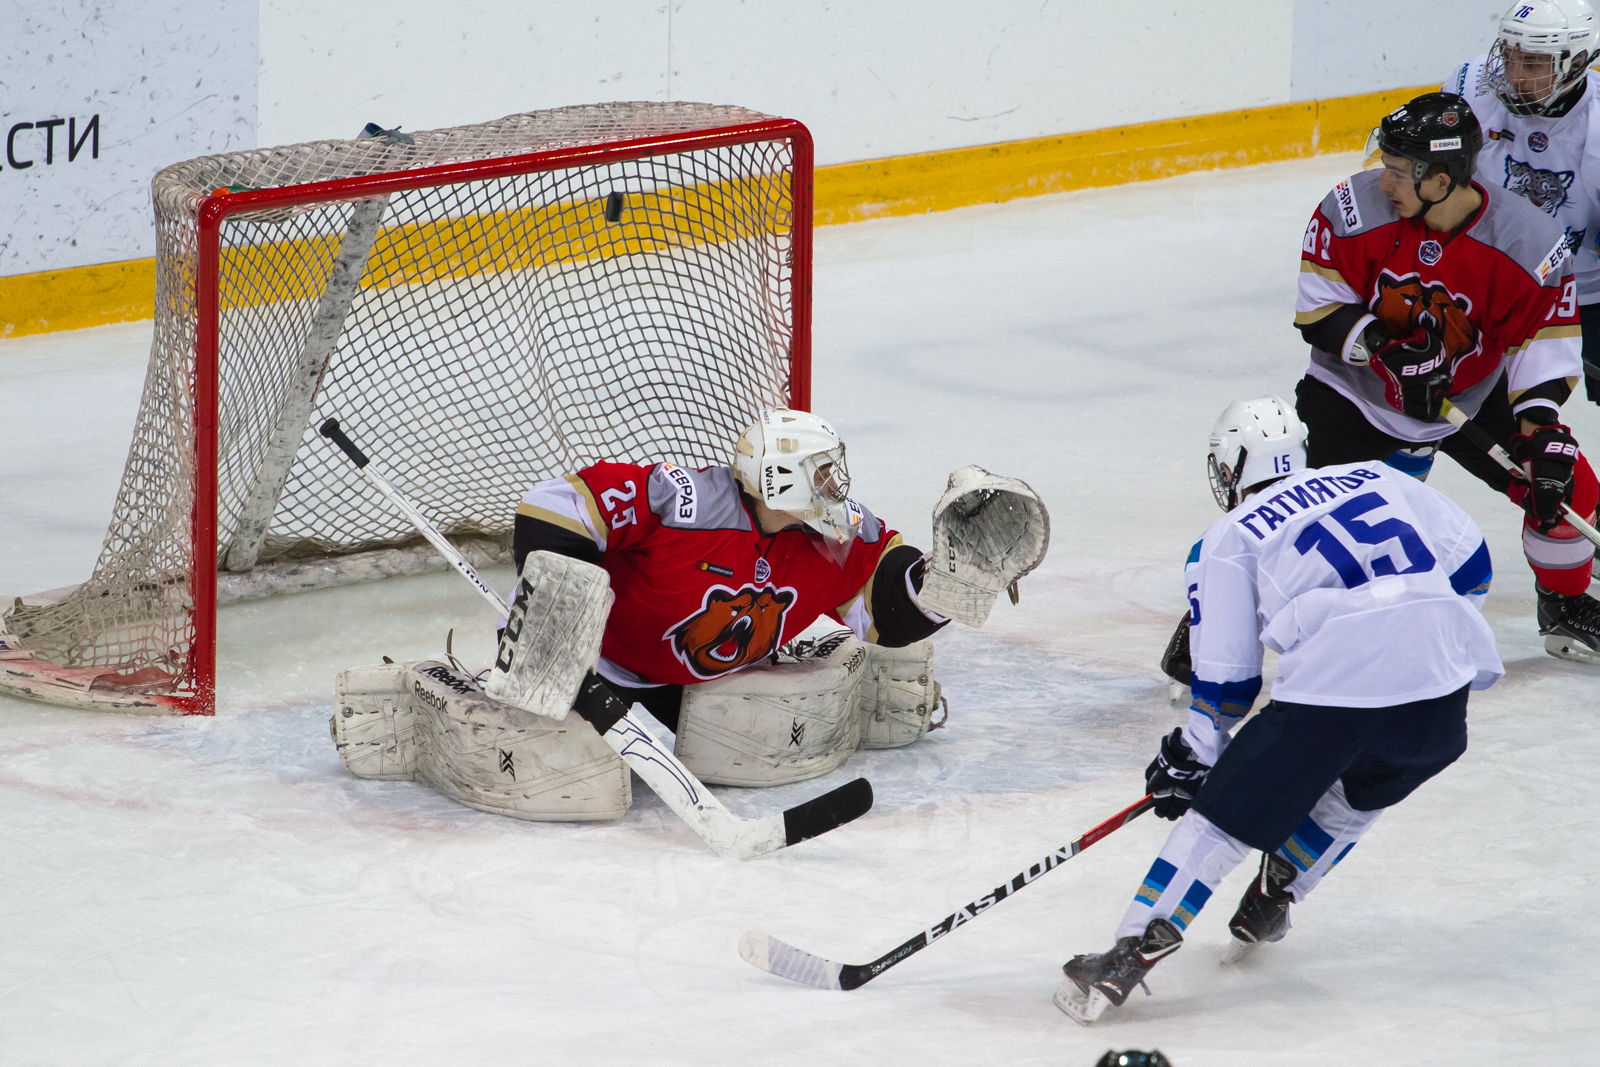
x,y
832,809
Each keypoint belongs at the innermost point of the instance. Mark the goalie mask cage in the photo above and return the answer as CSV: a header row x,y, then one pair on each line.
x,y
485,306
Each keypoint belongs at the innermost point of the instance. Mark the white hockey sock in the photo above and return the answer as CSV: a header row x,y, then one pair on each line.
x,y
1324,838
1195,858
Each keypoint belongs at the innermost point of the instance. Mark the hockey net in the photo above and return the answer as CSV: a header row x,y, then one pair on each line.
x,y
485,305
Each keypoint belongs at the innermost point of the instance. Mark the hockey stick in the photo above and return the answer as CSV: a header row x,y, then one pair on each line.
x,y
1481,438
726,833
786,961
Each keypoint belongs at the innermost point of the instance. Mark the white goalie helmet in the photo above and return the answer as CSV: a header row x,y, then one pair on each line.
x,y
1542,49
792,461
1252,442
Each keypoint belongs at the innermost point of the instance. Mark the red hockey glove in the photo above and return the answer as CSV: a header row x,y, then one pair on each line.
x,y
1174,776
1547,456
1416,371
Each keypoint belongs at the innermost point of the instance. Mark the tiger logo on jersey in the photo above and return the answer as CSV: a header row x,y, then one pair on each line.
x,y
732,629
1406,303
1544,189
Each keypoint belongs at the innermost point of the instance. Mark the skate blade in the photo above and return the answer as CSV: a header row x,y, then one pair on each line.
x,y
1237,950
1083,1010
1570,648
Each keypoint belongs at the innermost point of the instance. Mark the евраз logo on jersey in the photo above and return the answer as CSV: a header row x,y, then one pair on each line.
x,y
1344,195
686,506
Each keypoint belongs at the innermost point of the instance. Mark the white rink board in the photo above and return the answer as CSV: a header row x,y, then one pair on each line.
x,y
220,891
94,99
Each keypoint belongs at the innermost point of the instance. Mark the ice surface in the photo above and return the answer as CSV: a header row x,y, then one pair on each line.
x,y
219,891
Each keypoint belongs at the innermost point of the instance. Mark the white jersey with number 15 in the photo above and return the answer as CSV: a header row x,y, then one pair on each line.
x,y
1366,582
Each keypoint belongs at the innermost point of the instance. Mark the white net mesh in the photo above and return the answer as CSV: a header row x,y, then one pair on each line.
x,y
503,330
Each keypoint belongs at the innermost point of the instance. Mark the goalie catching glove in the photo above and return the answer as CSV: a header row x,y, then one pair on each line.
x,y
988,532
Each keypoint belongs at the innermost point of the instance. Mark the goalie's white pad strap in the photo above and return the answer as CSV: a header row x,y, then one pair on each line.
x,y
988,531
552,635
771,725
896,698
502,759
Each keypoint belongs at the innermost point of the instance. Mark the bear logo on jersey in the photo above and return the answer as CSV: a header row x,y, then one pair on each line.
x,y
1406,303
732,629
1545,189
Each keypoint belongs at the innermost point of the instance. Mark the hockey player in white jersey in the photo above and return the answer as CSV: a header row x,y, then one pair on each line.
x,y
1368,584
1536,100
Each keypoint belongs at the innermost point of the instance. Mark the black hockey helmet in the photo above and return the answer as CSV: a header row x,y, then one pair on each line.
x,y
1433,128
1133,1058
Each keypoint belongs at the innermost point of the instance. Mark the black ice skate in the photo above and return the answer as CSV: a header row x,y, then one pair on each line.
x,y
1570,624
1094,983
1263,913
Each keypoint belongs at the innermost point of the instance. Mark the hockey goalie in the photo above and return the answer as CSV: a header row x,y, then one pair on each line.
x,y
684,591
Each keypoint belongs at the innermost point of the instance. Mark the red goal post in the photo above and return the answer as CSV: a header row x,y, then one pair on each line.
x,y
495,304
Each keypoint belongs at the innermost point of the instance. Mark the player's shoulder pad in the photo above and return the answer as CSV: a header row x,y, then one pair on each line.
x,y
685,499
1356,205
1533,240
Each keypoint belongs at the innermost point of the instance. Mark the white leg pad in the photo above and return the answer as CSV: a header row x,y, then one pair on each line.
x,y
552,635
373,724
771,725
500,758
895,700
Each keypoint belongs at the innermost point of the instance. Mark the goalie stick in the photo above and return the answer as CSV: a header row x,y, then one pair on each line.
x,y
726,833
1481,439
784,960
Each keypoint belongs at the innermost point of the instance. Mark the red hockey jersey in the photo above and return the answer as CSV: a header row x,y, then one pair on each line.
x,y
700,591
1501,289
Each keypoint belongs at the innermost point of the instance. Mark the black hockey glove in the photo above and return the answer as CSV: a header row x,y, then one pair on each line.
x,y
1174,776
1418,371
1547,456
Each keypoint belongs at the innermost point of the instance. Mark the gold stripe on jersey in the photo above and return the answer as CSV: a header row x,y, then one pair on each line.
x,y
555,518
865,595
1330,273
1306,318
1548,333
1514,395
602,531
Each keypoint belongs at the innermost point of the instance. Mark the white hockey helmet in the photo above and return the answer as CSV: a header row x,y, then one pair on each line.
x,y
792,461
1254,442
1541,50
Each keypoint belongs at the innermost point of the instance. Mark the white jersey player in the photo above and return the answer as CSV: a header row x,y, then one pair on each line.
x,y
1368,584
1537,103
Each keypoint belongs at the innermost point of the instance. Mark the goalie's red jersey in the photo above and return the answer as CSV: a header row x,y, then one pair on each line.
x,y
700,591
